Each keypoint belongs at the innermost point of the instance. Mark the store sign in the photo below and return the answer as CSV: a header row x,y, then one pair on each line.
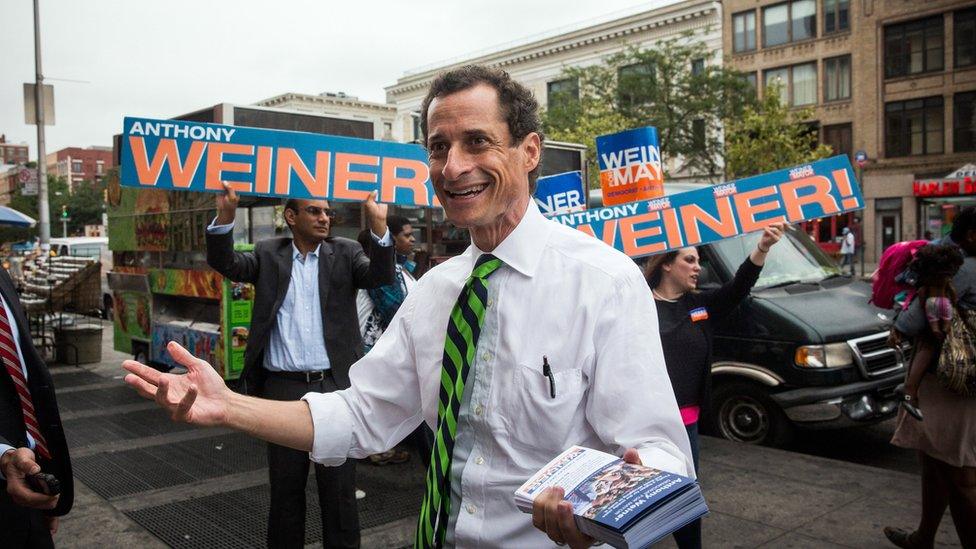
x,y
959,182
944,188
195,156
810,191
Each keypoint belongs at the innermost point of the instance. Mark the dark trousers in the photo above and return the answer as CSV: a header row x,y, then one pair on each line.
x,y
689,536
288,472
21,527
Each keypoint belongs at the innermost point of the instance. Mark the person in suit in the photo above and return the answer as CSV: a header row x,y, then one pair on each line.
x,y
31,436
304,337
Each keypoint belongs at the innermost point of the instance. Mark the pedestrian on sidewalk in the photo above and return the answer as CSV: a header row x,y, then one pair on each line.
x,y
488,349
946,437
31,436
304,337
847,246
686,323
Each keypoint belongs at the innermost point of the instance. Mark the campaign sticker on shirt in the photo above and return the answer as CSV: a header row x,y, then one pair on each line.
x,y
699,314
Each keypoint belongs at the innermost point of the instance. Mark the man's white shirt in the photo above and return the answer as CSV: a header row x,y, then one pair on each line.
x,y
560,294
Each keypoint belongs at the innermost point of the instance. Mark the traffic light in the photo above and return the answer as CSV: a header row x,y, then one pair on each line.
x,y
64,211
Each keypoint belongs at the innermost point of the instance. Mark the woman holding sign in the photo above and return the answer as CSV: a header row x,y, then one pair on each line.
x,y
686,318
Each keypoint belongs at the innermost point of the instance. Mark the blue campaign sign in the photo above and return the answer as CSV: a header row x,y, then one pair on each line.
x,y
819,189
630,166
561,193
196,156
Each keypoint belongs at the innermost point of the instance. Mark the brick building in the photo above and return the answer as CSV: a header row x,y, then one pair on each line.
x,y
12,153
76,164
896,80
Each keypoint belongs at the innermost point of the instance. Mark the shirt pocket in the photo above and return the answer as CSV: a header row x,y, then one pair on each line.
x,y
537,422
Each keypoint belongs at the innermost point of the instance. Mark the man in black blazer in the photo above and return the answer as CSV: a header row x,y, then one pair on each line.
x,y
28,518
304,336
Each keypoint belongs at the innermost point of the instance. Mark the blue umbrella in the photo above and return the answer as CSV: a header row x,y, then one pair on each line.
x,y
10,216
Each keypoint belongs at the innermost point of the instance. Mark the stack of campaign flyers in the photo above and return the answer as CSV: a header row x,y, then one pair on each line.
x,y
618,503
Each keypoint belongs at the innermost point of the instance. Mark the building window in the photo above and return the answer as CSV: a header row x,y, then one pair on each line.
x,y
914,127
76,166
914,47
561,91
698,134
964,37
634,83
964,122
780,77
798,83
836,15
750,78
839,137
99,167
789,22
837,78
744,25
697,66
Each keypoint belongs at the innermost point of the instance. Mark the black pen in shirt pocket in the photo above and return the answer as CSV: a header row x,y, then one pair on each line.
x,y
547,371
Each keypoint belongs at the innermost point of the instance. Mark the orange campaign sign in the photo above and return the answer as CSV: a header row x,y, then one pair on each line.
x,y
818,189
630,166
197,156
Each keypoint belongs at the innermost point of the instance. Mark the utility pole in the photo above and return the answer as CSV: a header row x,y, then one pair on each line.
x,y
42,201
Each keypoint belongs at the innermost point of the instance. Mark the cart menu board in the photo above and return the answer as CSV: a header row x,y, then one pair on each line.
x,y
132,312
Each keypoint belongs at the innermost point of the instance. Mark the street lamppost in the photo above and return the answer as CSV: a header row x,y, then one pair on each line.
x,y
44,216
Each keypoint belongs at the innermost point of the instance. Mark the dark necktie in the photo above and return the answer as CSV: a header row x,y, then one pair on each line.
x,y
8,351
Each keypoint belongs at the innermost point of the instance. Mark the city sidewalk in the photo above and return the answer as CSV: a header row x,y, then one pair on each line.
x,y
143,481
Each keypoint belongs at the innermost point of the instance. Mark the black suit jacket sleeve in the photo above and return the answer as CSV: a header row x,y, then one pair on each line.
x,y
380,271
237,266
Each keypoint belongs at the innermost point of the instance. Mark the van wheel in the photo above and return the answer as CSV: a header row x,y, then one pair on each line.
x,y
744,413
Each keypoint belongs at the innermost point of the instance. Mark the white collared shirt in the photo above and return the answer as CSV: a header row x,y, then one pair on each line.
x,y
560,294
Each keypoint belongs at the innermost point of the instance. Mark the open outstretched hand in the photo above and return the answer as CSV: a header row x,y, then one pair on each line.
x,y
199,396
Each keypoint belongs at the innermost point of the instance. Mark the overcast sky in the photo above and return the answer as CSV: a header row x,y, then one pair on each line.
x,y
112,58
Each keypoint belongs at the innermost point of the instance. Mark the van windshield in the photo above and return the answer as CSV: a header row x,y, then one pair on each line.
x,y
796,258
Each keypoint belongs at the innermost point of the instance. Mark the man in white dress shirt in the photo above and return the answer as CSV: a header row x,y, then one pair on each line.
x,y
559,296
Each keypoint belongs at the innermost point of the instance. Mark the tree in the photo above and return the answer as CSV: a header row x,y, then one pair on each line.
x,y
770,136
84,206
669,86
87,203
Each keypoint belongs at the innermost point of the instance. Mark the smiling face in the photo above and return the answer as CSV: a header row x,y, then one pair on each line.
x,y
682,273
480,176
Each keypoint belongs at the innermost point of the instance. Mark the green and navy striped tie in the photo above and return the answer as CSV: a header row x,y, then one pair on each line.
x,y
463,330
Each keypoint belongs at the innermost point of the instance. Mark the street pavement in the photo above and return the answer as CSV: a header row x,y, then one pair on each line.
x,y
142,480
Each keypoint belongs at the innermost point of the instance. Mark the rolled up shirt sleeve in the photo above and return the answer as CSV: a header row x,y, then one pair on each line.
x,y
381,407
332,422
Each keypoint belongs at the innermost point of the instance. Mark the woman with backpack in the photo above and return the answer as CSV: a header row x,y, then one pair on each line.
x,y
946,437
685,322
